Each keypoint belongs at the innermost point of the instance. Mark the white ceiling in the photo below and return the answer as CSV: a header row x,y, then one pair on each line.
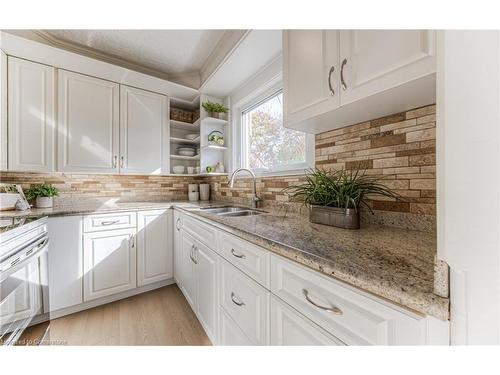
x,y
173,52
257,50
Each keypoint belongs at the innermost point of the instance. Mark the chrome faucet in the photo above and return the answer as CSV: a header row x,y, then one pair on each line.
x,y
256,200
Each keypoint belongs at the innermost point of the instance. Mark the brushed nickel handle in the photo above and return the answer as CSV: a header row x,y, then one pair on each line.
x,y
332,91
333,309
237,255
106,223
132,238
237,303
191,255
344,63
177,223
122,160
115,160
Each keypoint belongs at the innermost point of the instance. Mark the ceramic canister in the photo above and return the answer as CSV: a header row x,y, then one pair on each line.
x,y
204,192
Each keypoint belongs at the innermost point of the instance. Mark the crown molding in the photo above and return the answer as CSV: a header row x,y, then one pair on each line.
x,y
229,41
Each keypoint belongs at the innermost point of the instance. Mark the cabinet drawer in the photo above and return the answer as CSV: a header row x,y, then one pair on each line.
x,y
201,231
230,333
246,302
288,327
352,316
117,220
249,258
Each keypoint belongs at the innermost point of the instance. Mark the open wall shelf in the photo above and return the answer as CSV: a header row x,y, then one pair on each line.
x,y
209,154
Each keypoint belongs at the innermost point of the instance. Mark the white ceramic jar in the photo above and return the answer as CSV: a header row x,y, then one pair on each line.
x,y
204,192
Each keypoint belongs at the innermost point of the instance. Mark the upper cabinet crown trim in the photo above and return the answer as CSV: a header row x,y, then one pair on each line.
x,y
45,54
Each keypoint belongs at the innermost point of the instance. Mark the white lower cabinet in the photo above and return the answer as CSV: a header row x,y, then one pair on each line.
x,y
197,278
109,262
351,315
288,327
185,273
229,332
205,271
246,302
154,246
65,261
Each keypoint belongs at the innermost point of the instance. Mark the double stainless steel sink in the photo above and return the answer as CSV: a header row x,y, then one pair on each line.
x,y
231,211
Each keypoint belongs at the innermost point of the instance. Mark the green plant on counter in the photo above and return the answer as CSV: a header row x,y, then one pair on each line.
x,y
214,107
341,188
42,190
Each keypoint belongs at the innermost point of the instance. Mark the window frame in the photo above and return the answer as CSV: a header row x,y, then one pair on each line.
x,y
240,152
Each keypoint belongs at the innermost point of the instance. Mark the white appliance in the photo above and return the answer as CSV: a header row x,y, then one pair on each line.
x,y
24,298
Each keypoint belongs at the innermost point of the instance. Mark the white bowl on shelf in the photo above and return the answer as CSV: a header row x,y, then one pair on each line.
x,y
192,136
178,169
186,151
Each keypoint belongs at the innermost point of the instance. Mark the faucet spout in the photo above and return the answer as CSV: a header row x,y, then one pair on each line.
x,y
255,199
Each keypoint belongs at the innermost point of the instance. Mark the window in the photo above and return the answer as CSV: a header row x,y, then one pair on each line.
x,y
267,146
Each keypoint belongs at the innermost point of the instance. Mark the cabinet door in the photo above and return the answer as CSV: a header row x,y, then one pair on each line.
x,y
206,289
30,116
186,271
154,247
310,73
378,60
65,261
88,124
178,247
3,111
229,332
144,138
288,327
109,263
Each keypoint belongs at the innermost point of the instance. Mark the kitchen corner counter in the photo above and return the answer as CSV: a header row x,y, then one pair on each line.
x,y
392,263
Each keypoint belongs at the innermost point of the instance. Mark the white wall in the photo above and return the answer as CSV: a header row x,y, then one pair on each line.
x,y
468,176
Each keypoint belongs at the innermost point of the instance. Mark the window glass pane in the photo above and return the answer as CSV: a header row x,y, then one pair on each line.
x,y
269,145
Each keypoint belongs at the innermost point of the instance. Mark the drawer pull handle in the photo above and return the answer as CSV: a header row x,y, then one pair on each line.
x,y
237,255
237,303
334,309
191,255
110,222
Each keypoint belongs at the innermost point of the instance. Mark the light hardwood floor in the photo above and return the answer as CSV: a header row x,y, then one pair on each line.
x,y
160,317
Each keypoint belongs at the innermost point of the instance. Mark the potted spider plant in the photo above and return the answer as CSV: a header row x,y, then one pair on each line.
x,y
335,197
43,194
214,109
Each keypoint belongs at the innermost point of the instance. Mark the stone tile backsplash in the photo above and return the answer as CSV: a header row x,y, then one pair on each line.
x,y
400,147
100,186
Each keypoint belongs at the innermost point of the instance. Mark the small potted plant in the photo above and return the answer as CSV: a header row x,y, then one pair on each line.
x,y
43,194
335,197
214,109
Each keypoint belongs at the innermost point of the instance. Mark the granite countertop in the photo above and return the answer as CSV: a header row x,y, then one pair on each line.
x,y
392,263
89,207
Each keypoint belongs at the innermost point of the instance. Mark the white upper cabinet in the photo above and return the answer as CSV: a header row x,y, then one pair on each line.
x,y
333,78
144,138
30,116
88,124
311,71
377,60
3,111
